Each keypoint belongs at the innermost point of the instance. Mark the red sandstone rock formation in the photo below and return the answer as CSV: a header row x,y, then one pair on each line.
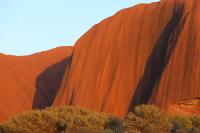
x,y
148,53
31,81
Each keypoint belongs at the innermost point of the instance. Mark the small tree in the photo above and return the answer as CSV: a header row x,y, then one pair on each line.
x,y
181,124
148,119
61,126
196,124
195,121
1,129
113,124
194,130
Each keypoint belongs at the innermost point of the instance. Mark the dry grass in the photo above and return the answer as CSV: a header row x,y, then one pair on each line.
x,y
50,120
68,119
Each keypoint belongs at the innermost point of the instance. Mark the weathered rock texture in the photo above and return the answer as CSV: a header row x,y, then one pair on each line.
x,y
149,53
28,82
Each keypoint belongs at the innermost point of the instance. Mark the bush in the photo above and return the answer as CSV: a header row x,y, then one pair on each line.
x,y
145,119
181,124
1,129
148,119
61,126
186,124
195,121
51,120
194,130
114,124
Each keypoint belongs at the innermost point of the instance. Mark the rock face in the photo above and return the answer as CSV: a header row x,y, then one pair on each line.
x,y
31,81
149,53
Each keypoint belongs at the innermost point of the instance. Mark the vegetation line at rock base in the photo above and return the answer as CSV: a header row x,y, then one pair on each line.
x,y
69,119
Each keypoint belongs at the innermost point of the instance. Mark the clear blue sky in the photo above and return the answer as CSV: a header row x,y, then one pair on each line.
x,y
28,26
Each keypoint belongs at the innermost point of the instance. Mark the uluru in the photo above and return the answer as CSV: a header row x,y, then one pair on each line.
x,y
145,54
148,53
31,81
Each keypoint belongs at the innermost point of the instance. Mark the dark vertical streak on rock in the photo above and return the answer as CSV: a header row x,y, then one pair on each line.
x,y
67,72
48,84
158,59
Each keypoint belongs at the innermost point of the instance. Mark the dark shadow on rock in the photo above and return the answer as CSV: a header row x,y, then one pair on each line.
x,y
159,58
48,83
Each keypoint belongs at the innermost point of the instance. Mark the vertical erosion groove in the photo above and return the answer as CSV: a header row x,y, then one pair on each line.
x,y
159,58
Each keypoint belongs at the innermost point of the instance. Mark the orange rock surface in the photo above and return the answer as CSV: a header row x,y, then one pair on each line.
x,y
31,81
149,53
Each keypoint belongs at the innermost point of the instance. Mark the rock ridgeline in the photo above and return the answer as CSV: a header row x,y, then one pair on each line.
x,y
146,54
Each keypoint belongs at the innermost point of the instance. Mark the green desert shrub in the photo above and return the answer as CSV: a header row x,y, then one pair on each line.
x,y
52,120
181,124
1,129
61,126
195,124
69,119
114,124
186,124
194,130
147,119
34,121
195,121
